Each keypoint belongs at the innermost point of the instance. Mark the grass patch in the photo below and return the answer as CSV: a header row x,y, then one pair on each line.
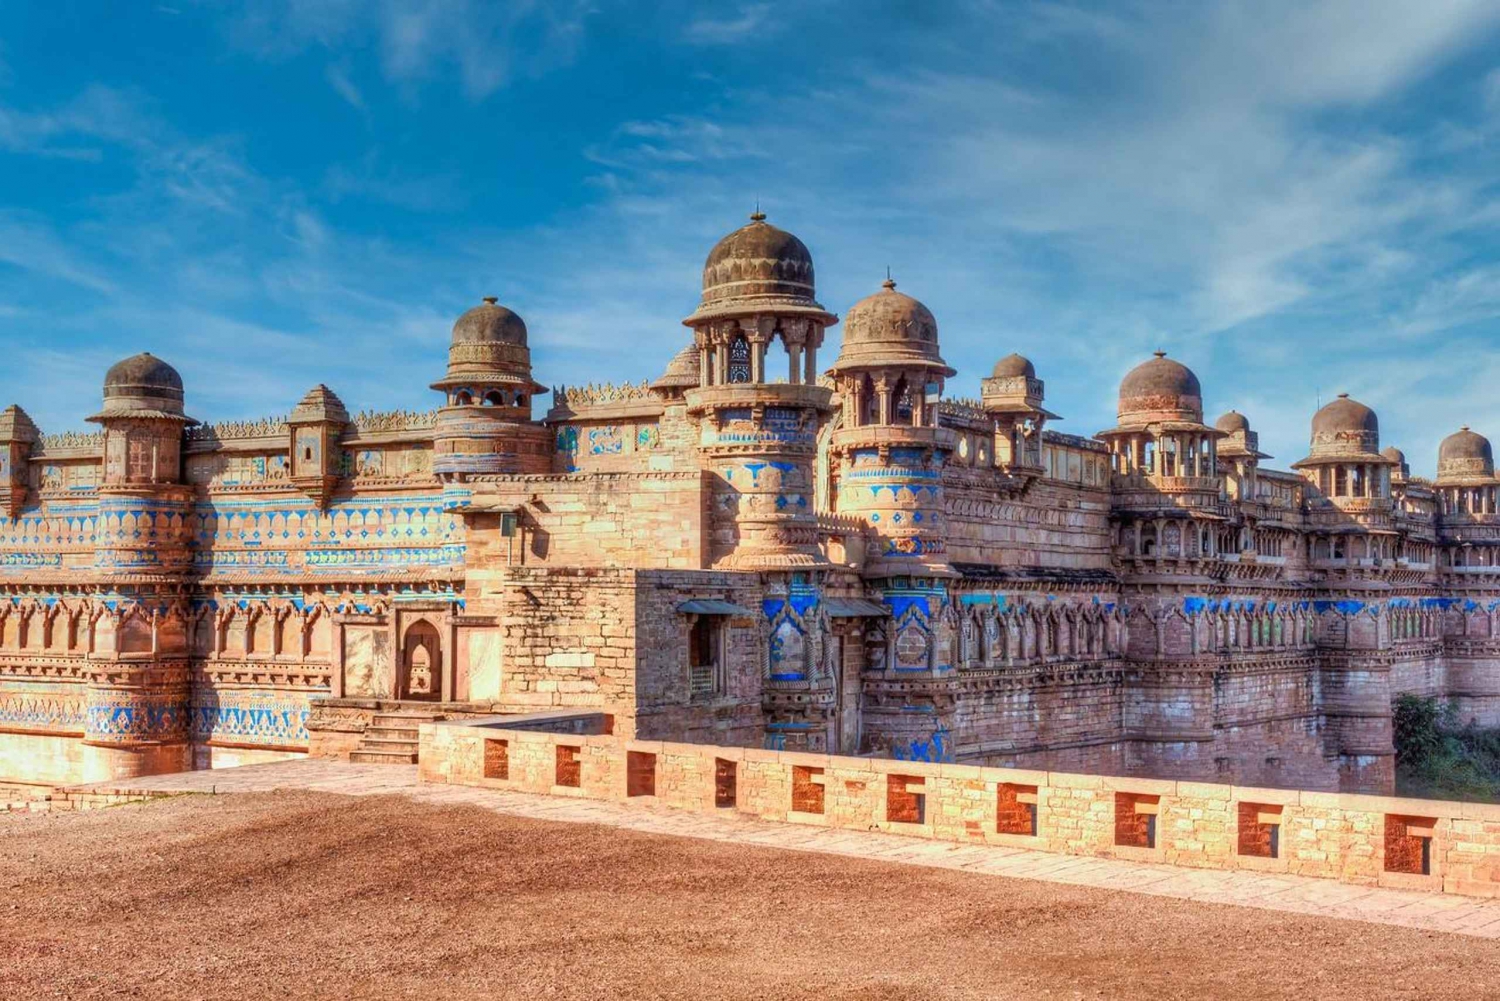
x,y
1439,758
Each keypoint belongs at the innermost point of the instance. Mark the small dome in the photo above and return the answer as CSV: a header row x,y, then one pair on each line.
x,y
1012,366
142,385
490,322
758,261
1161,389
141,372
681,372
488,348
1233,422
1464,456
892,328
1394,454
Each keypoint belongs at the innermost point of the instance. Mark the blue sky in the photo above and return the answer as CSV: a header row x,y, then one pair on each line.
x,y
1294,199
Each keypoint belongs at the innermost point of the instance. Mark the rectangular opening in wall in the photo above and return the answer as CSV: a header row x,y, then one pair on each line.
x,y
807,789
726,792
640,773
497,759
1016,809
569,768
1408,844
1135,819
905,799
1260,830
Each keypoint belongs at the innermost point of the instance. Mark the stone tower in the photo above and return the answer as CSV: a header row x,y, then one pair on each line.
x,y
889,453
760,416
1351,522
136,704
315,426
485,425
17,437
1013,396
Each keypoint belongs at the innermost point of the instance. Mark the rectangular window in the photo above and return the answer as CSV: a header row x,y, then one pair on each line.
x,y
905,799
1016,809
497,759
1408,844
640,773
726,792
1260,830
569,768
807,789
706,656
1135,819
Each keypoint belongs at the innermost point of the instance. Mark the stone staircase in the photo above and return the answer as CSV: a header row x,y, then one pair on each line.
x,y
391,739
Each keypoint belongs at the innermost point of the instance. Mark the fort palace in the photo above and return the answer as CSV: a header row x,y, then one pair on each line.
x,y
761,547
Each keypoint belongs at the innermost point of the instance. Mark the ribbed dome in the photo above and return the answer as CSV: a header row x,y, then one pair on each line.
x,y
681,372
1161,389
142,385
758,261
1233,422
1394,454
1013,365
1465,455
490,322
890,328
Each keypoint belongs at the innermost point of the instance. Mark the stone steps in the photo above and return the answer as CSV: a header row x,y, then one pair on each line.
x,y
391,739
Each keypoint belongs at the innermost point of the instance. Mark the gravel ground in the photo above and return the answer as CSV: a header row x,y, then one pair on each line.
x,y
305,895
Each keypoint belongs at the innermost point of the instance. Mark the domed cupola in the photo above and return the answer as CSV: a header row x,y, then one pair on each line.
x,y
1465,459
1239,441
1397,459
489,359
1345,427
1160,390
1013,366
890,329
681,373
485,427
758,264
143,386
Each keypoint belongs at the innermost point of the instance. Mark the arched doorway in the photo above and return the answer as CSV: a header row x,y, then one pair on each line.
x,y
421,662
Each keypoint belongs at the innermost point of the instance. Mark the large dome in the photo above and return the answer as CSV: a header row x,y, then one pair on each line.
x,y
1161,389
490,322
1346,430
1464,456
890,328
144,386
1013,366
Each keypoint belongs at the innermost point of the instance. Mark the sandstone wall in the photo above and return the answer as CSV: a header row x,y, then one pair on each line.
x,y
1365,840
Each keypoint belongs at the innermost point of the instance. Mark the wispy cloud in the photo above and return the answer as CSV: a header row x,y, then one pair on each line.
x,y
750,20
337,75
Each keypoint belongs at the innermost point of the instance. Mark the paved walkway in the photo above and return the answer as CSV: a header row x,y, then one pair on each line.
x,y
1295,894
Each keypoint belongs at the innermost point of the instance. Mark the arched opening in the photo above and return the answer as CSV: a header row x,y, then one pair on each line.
x,y
463,398
494,398
421,662
869,406
905,407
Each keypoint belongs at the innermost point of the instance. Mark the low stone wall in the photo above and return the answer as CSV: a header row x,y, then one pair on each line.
x,y
69,800
1367,840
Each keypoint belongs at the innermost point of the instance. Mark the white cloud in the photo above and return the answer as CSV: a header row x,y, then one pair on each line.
x,y
338,78
749,21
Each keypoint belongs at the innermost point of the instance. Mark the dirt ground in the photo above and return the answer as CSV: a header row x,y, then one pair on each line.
x,y
301,895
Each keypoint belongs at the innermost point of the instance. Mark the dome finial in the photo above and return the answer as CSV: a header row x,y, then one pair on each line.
x,y
491,299
1158,353
889,283
757,215
1343,396
1464,427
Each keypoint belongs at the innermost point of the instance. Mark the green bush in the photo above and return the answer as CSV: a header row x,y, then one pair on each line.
x,y
1438,758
